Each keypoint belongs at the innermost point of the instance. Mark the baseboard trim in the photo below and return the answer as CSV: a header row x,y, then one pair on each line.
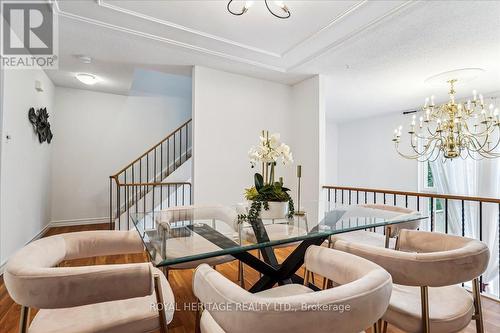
x,y
84,221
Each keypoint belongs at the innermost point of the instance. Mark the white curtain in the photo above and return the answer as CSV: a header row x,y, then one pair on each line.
x,y
473,178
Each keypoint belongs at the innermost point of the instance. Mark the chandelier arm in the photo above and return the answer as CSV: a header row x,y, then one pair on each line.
x,y
476,142
474,145
407,156
478,133
475,158
284,8
243,10
430,133
492,150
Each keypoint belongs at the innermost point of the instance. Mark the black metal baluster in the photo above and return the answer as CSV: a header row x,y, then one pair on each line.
x,y
110,203
154,167
119,207
418,203
183,202
394,199
342,197
446,215
161,173
153,202
335,195
357,197
134,189
374,197
143,188
187,140
154,181
384,199
126,201
175,161
168,194
481,239
168,156
329,195
463,219
366,197
406,201
180,146
349,197
432,213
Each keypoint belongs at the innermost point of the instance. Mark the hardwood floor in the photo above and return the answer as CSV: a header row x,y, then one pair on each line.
x,y
181,285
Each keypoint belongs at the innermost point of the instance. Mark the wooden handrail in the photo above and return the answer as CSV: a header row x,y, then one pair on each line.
x,y
415,194
155,184
115,176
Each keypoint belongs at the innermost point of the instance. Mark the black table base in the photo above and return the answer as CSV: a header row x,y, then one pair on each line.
x,y
272,272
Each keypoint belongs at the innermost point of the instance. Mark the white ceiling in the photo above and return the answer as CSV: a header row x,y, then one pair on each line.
x,y
375,54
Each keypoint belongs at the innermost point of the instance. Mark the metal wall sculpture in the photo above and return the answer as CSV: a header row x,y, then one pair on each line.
x,y
40,121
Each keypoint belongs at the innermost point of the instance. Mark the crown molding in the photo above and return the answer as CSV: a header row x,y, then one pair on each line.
x,y
339,42
75,17
328,48
330,24
350,10
170,24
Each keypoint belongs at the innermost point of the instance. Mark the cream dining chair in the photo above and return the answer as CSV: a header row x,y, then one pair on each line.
x,y
427,269
177,247
103,298
361,297
388,239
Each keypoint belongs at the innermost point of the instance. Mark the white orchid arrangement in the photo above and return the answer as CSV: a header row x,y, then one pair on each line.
x,y
268,153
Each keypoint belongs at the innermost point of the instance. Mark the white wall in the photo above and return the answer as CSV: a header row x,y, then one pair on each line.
x,y
25,170
229,112
308,140
332,153
96,135
367,157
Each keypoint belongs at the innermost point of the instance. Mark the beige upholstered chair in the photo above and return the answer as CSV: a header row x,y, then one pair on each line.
x,y
376,239
194,244
360,299
103,298
426,271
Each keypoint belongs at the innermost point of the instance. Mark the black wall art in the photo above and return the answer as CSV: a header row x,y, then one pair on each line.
x,y
40,121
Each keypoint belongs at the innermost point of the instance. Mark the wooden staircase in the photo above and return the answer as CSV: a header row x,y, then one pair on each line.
x,y
142,186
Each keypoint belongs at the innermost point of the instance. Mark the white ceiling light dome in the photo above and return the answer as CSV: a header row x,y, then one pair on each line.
x,y
87,78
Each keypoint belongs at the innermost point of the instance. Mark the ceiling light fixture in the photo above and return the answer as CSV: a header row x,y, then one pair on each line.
x,y
88,79
286,12
454,129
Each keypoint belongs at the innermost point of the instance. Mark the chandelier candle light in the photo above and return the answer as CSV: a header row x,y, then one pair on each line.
x,y
455,129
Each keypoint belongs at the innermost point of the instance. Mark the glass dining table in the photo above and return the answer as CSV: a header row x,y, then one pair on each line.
x,y
194,233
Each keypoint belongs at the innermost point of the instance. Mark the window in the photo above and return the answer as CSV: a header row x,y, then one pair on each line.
x,y
426,180
427,184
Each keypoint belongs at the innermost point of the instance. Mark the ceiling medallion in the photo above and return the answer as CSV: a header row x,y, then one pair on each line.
x,y
284,15
454,129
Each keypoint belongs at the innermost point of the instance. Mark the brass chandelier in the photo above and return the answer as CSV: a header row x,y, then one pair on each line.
x,y
451,130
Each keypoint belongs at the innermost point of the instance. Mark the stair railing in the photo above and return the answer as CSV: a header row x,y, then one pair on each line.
x,y
140,186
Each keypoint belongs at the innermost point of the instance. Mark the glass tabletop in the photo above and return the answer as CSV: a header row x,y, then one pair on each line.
x,y
183,234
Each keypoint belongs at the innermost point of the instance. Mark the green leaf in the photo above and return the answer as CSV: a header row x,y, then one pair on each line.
x,y
259,181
